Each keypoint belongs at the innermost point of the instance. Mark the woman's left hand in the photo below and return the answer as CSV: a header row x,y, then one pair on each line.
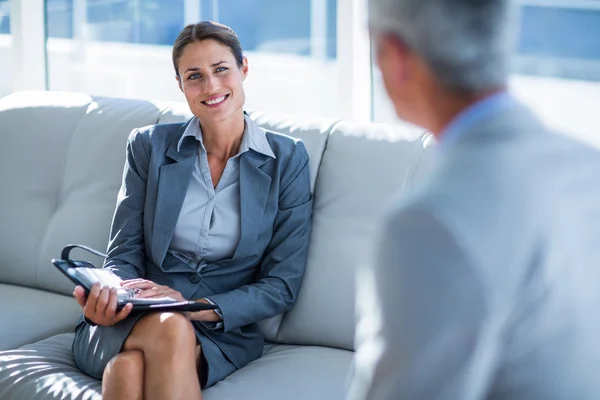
x,y
150,289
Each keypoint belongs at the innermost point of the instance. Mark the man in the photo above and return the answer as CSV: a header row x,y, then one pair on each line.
x,y
486,283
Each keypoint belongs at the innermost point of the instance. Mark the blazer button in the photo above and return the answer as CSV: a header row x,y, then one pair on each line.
x,y
194,278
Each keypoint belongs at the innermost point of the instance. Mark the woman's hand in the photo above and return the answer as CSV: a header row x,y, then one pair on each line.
x,y
149,289
204,315
100,306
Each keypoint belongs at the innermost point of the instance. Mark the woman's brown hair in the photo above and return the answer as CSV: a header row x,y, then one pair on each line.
x,y
205,30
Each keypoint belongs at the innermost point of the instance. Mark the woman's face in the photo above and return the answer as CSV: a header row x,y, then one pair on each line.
x,y
211,81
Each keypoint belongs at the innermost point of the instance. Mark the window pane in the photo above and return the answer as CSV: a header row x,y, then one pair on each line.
x,y
569,49
281,26
123,48
556,66
59,18
5,49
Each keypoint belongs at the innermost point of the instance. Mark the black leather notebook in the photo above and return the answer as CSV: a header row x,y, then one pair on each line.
x,y
85,274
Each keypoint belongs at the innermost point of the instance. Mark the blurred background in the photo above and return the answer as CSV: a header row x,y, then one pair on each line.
x,y
307,57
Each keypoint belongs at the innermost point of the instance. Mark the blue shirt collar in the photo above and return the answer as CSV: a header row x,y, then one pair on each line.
x,y
481,109
253,138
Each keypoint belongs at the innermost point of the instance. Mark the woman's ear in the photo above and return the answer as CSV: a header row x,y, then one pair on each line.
x,y
244,68
179,83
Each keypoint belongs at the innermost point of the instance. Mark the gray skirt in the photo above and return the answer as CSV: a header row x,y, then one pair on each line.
x,y
95,346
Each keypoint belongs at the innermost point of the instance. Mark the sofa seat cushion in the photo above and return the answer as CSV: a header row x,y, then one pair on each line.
x,y
46,370
290,373
28,315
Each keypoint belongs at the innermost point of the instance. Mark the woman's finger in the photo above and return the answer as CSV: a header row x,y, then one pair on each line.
x,y
153,292
111,307
79,294
143,284
121,315
174,294
92,298
128,281
102,301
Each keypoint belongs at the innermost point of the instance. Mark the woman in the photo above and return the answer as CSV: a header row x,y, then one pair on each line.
x,y
213,210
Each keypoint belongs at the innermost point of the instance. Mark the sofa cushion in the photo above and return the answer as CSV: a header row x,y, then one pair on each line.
x,y
63,188
34,130
46,370
288,372
28,315
363,168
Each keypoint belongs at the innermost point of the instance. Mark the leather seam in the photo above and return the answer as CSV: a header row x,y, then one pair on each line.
x,y
413,165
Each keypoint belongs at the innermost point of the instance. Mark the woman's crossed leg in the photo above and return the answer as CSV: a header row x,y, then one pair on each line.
x,y
159,360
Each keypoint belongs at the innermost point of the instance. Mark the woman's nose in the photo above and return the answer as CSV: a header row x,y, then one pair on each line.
x,y
211,85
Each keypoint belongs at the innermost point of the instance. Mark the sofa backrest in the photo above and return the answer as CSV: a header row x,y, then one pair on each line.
x,y
364,168
61,161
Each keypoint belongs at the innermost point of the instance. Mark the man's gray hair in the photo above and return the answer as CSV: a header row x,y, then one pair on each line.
x,y
466,43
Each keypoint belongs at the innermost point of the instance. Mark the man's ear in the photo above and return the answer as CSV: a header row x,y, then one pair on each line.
x,y
244,68
393,58
179,83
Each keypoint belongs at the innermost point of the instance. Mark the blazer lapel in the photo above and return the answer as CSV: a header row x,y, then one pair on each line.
x,y
173,183
255,185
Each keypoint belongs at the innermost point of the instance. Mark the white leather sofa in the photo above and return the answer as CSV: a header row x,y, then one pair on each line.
x,y
61,160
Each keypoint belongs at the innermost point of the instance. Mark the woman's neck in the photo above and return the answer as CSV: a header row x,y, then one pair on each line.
x,y
223,139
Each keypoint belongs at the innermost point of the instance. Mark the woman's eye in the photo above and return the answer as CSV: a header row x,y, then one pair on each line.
x,y
194,76
221,69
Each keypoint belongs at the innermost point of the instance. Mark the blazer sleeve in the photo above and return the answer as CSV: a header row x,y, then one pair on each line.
x,y
284,261
126,244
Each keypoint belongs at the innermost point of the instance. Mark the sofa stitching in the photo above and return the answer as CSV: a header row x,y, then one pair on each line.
x,y
414,162
162,113
328,135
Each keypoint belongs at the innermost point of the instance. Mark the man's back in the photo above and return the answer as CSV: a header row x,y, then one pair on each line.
x,y
488,275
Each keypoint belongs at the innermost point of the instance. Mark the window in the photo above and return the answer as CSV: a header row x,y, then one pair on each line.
x,y
128,21
556,66
5,49
122,48
559,39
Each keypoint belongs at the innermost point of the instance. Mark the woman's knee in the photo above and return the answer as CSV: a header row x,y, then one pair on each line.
x,y
168,329
128,365
176,329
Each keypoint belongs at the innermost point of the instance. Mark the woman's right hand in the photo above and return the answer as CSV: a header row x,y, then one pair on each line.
x,y
100,306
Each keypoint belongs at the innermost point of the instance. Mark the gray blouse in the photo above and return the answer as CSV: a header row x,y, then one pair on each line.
x,y
208,227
